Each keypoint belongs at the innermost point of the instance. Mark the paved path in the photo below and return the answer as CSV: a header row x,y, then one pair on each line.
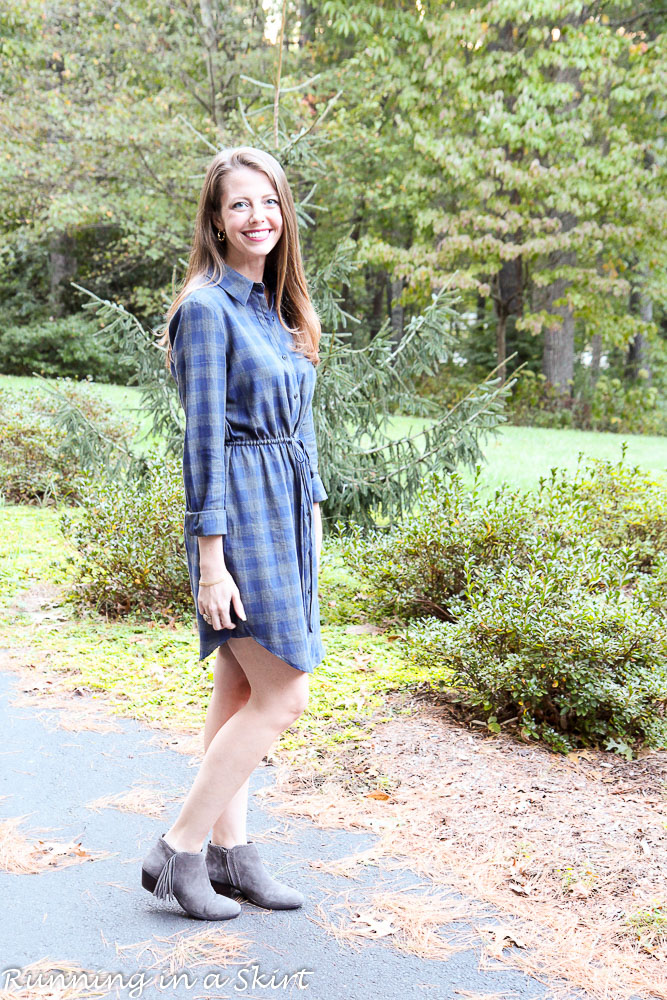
x,y
79,913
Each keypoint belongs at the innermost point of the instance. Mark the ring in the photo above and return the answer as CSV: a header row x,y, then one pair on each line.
x,y
207,618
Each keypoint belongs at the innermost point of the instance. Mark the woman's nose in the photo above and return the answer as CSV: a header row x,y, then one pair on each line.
x,y
257,213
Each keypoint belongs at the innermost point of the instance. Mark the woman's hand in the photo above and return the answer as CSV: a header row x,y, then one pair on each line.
x,y
215,602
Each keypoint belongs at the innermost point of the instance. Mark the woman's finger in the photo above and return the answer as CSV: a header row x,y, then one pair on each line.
x,y
238,605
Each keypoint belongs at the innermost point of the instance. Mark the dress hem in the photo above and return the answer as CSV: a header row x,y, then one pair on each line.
x,y
249,635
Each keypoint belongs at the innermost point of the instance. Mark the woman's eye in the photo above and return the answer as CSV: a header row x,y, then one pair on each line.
x,y
241,204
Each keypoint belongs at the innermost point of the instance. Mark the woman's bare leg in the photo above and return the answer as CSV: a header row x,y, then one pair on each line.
x,y
278,696
231,691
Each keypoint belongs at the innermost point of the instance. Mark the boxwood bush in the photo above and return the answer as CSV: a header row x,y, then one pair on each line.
x,y
128,534
545,608
607,404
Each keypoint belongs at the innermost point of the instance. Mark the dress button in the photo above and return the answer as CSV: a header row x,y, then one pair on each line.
x,y
296,394
284,356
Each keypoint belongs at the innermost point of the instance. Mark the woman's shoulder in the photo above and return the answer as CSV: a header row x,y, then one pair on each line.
x,y
202,316
203,307
205,297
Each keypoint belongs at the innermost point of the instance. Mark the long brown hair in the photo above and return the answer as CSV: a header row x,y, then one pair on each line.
x,y
295,310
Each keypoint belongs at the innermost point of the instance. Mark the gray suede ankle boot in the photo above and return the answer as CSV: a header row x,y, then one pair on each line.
x,y
182,876
239,869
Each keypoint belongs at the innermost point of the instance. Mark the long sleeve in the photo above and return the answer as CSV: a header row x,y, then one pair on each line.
x,y
198,339
308,435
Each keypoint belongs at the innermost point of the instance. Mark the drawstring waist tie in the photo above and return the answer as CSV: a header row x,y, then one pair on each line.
x,y
301,465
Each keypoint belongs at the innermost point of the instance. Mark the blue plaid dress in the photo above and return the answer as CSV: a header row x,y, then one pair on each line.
x,y
250,463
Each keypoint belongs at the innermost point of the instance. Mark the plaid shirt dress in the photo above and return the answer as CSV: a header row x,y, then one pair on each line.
x,y
250,463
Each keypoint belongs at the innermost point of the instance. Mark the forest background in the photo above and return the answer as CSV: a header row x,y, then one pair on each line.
x,y
511,151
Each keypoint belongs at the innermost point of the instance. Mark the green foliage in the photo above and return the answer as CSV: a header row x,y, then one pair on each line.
x,y
652,587
626,510
129,538
115,176
437,145
514,150
40,462
608,405
71,346
136,349
543,606
378,476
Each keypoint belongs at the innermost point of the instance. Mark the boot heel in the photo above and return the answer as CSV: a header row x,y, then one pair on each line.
x,y
147,880
223,888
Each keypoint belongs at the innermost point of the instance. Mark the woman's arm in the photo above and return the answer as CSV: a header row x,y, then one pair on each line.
x,y
317,519
308,435
198,340
198,343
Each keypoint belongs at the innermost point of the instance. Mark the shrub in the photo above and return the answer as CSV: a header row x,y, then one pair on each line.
x,y
569,665
628,510
542,606
607,404
39,463
422,563
71,346
129,537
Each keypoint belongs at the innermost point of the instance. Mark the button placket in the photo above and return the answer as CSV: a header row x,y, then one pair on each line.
x,y
270,319
264,317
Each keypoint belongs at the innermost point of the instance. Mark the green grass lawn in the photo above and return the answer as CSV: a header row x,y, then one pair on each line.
x,y
521,455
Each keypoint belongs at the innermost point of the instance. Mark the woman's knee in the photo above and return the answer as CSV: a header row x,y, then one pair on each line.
x,y
278,690
282,707
292,705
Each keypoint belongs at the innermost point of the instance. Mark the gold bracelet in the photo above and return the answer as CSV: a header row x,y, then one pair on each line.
x,y
212,583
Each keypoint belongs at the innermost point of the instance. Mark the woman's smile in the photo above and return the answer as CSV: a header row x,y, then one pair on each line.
x,y
257,235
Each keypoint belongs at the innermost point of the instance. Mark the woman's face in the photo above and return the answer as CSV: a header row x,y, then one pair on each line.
x,y
250,216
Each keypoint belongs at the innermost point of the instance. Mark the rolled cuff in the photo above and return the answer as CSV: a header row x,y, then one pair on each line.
x,y
206,522
319,492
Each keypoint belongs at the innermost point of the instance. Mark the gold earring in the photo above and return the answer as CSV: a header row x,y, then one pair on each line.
x,y
221,236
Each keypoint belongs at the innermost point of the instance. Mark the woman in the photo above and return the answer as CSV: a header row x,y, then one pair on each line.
x,y
242,343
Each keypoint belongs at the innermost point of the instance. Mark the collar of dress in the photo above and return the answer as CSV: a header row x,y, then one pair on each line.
x,y
238,285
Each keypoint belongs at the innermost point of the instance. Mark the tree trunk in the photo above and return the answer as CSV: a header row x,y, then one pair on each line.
x,y
378,286
558,349
507,291
558,344
396,310
636,359
307,22
501,347
596,355
210,38
62,268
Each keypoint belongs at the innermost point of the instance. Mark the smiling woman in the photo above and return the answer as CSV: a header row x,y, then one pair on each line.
x,y
242,344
